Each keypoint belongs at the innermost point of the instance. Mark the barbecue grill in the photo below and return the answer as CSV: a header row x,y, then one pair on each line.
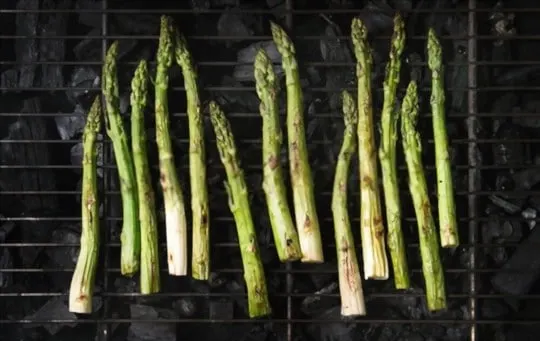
x,y
51,56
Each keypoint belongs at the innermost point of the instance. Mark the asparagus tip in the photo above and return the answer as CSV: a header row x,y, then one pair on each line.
x,y
358,30
282,40
434,51
165,46
264,73
398,36
139,84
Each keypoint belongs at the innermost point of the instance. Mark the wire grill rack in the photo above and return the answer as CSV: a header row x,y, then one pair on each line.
x,y
289,296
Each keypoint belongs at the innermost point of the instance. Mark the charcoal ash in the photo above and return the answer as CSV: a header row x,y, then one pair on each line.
x,y
243,72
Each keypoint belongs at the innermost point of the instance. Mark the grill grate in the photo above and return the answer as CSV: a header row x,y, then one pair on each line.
x,y
44,280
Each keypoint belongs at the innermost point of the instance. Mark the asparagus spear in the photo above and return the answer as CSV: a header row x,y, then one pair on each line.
x,y
445,190
350,280
147,208
82,283
371,229
237,192
305,209
173,198
200,262
285,235
130,238
387,155
429,246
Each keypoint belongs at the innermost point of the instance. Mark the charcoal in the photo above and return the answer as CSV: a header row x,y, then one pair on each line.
x,y
89,49
247,100
82,77
6,262
9,79
233,23
221,310
338,331
87,18
246,56
200,4
336,50
141,331
5,229
64,257
507,152
506,205
278,6
530,106
137,24
522,269
320,301
26,50
186,306
72,124
54,309
126,285
237,288
53,50
409,305
492,309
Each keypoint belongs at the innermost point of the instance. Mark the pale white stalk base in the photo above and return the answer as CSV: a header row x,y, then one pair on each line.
x,y
81,288
350,286
373,243
311,252
176,231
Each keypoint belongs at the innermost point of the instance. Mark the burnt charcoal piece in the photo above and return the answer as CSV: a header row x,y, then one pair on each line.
x,y
92,19
339,331
6,262
186,306
82,77
506,205
71,125
234,23
247,100
320,300
53,50
335,50
527,178
141,331
64,257
200,4
26,50
89,49
221,310
508,152
531,106
9,79
55,309
246,56
137,24
522,269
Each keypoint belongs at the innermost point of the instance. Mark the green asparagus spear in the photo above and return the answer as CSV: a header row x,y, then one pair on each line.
x,y
307,221
285,234
387,155
371,220
445,190
147,207
130,237
82,283
200,262
237,192
173,198
429,246
350,280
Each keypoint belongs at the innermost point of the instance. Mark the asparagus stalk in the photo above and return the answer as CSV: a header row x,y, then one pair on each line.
x,y
429,246
445,190
371,222
200,262
237,192
387,155
130,237
307,222
350,280
285,234
82,283
173,198
150,279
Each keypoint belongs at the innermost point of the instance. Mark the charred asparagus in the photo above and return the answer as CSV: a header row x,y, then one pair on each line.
x,y
307,222
285,235
258,303
429,246
82,283
130,238
350,280
150,279
372,228
445,190
200,262
387,155
173,198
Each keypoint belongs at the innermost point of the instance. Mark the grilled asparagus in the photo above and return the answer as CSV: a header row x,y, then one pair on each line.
x,y
445,190
130,238
307,222
350,280
200,261
429,246
387,155
173,198
258,303
150,279
372,228
285,235
82,282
